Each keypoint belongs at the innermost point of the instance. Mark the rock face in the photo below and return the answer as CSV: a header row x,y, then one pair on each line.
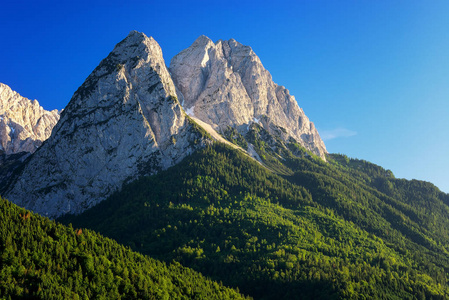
x,y
123,122
225,84
24,124
126,121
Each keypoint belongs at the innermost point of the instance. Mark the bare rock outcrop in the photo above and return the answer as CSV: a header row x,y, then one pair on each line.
x,y
24,124
125,121
225,84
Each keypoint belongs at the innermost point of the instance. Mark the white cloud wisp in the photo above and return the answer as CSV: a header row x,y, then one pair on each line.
x,y
327,135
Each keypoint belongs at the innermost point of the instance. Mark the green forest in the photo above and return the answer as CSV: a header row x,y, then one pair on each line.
x,y
292,227
221,225
41,259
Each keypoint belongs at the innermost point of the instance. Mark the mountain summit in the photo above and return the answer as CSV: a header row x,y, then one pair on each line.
x,y
225,85
123,122
289,227
24,124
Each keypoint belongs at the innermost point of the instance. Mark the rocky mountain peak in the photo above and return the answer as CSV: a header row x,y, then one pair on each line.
x,y
24,124
225,85
202,41
137,45
124,121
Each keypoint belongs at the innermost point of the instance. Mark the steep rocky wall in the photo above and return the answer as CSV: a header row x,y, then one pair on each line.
x,y
125,121
225,84
24,124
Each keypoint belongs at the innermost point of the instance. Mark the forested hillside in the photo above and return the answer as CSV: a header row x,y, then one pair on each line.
x,y
41,259
345,229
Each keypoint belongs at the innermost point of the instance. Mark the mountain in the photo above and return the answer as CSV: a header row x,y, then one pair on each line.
x,y
345,229
8,165
24,124
225,85
40,259
124,121
274,215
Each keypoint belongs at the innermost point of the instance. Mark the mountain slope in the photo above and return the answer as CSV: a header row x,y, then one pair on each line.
x,y
225,85
123,122
223,214
9,164
40,259
24,124
299,224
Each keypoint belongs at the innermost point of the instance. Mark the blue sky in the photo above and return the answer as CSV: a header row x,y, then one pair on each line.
x,y
372,75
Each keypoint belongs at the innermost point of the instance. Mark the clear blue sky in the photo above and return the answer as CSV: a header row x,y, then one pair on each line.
x,y
372,75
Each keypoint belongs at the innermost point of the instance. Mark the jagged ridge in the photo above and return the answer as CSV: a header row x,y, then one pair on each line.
x,y
225,84
123,122
126,121
24,124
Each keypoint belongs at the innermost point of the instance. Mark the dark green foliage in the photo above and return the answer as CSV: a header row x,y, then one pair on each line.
x,y
40,259
324,231
172,99
203,133
271,149
119,67
232,135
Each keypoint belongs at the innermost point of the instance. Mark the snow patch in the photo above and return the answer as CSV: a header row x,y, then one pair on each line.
x,y
190,111
255,120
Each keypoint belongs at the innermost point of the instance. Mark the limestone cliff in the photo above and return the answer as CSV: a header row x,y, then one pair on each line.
x,y
123,122
24,124
127,120
225,84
